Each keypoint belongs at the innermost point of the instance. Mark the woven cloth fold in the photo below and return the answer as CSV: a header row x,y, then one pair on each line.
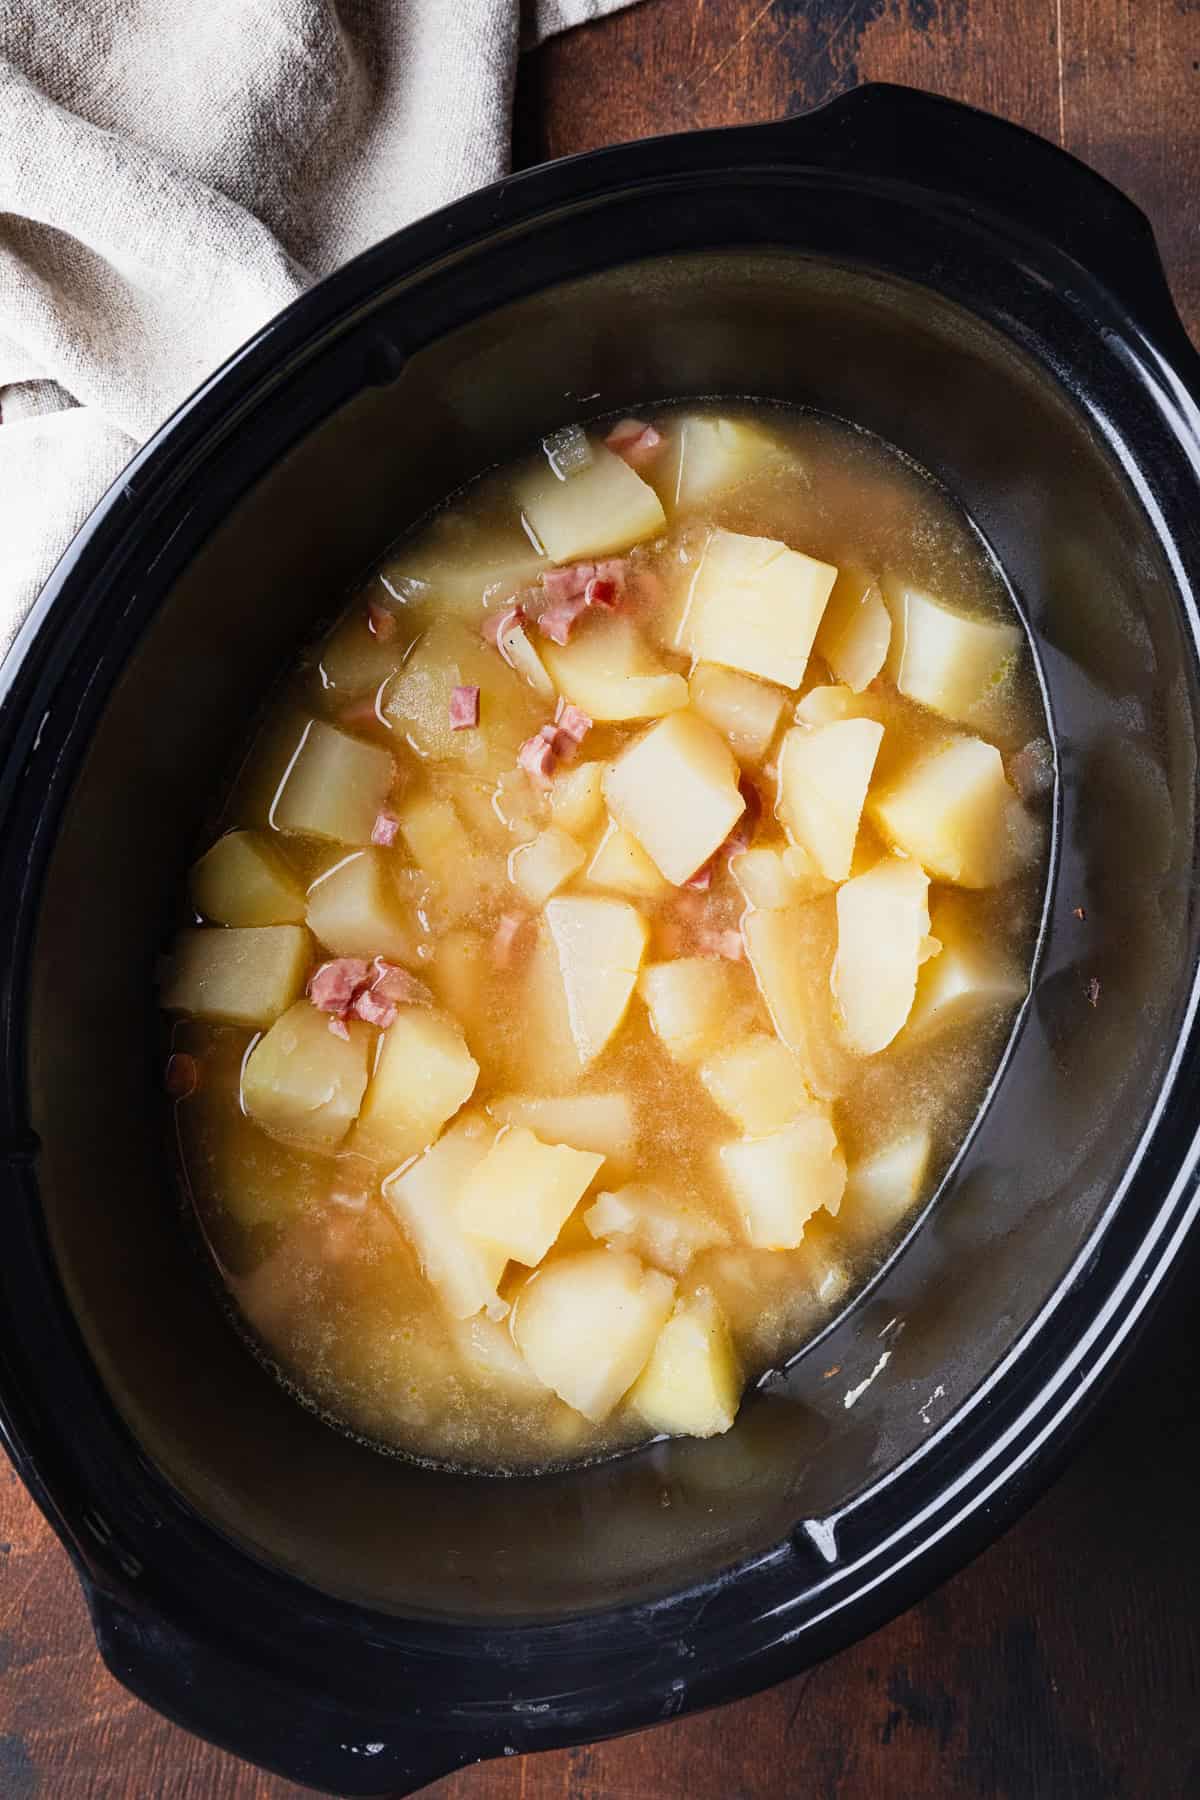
x,y
171,175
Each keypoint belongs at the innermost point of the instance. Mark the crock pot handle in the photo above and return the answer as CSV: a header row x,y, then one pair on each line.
x,y
246,1711
1023,181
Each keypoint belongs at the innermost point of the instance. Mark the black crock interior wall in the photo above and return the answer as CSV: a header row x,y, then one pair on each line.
x,y
1087,569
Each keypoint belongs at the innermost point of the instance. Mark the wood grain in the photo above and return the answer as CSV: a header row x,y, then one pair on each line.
x,y
1065,1662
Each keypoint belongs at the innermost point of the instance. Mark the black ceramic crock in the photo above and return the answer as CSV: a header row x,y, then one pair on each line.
x,y
999,312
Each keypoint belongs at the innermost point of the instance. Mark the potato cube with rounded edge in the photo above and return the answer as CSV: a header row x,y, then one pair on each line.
x,y
967,978
742,709
693,1002
354,910
577,798
587,1323
704,456
243,880
855,631
457,560
781,1180
884,1185
486,1349
759,1083
755,605
333,787
523,1192
423,1073
658,1227
693,1382
540,868
608,671
824,705
598,944
676,791
824,774
424,1197
791,952
243,975
304,1084
954,812
604,1123
766,881
600,509
416,702
436,838
621,864
883,922
942,658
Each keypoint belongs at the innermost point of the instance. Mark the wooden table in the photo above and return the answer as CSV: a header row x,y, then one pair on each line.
x,y
1065,1662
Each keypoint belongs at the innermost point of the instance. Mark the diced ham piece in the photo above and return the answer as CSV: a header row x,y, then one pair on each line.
x,y
536,756
636,441
573,720
182,1076
601,592
373,1009
385,830
567,584
339,1028
381,621
391,982
560,618
506,940
333,987
464,708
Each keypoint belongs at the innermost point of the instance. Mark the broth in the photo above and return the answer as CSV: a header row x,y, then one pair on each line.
x,y
672,1274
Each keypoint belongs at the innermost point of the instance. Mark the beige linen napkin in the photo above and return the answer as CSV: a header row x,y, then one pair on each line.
x,y
173,172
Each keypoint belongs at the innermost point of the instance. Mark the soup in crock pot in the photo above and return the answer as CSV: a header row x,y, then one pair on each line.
x,y
610,936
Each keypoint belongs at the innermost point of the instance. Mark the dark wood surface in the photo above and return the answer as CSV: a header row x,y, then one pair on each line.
x,y
1065,1662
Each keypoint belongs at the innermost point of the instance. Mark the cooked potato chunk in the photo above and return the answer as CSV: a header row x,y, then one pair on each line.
x,y
600,1122
243,880
743,710
599,945
803,873
620,863
355,661
791,952
539,869
693,1001
824,705
759,1083
659,1228
599,509
586,1325
781,1180
692,1384
676,790
423,1073
967,978
704,457
334,786
955,813
238,977
452,654
608,671
486,1349
425,1199
354,910
824,773
771,876
884,1185
883,922
458,561
437,839
755,605
304,1084
577,798
520,653
522,1193
855,630
941,657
